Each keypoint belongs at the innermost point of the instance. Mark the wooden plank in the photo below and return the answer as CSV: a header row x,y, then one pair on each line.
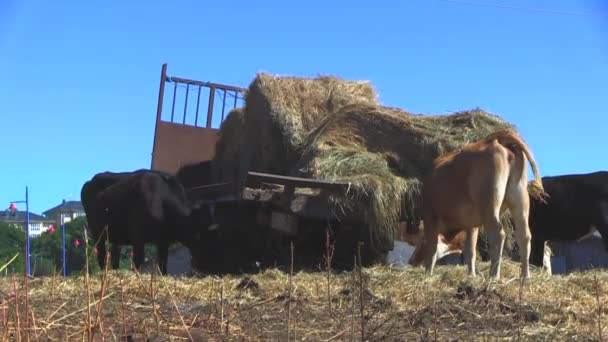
x,y
296,181
259,195
316,206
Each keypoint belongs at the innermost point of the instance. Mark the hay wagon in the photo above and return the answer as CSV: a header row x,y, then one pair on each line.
x,y
188,117
293,132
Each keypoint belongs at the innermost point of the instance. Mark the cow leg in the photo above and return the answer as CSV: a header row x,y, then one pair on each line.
x,y
139,255
101,254
115,256
163,257
537,251
547,259
470,249
519,205
429,246
496,239
601,221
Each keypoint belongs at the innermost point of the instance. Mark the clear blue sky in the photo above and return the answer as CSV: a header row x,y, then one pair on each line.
x,y
80,81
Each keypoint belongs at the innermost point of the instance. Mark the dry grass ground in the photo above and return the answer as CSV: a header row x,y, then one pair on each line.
x,y
378,303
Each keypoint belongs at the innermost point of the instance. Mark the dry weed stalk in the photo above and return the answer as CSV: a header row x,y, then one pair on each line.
x,y
75,312
522,282
5,325
153,298
26,295
352,297
35,328
289,291
361,296
89,330
599,307
329,253
104,284
122,308
221,305
4,315
17,320
181,317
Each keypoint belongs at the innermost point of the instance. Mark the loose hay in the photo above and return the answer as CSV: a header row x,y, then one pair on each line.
x,y
383,152
281,111
228,149
401,305
333,129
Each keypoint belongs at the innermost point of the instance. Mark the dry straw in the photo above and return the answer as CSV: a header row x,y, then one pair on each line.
x,y
329,128
281,111
398,305
384,152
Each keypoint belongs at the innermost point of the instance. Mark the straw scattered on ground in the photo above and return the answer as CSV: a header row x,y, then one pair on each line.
x,y
397,304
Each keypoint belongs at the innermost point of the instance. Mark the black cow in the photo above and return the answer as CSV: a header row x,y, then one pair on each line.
x,y
97,216
576,203
195,174
140,207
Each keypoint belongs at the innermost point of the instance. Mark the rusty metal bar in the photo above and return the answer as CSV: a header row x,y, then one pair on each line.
x,y
159,107
205,84
296,181
186,104
223,105
210,108
198,100
173,106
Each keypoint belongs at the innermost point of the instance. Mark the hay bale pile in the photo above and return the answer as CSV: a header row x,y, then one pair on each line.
x,y
332,129
281,111
383,152
228,148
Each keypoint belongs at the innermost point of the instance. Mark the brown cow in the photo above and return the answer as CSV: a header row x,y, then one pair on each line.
x,y
445,246
455,245
471,187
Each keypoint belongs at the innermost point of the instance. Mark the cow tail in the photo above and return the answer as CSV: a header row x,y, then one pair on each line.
x,y
510,138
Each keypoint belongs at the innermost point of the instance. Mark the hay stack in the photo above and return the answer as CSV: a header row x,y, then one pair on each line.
x,y
226,166
328,128
281,111
383,152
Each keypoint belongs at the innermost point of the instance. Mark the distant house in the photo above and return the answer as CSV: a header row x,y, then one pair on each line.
x,y
38,224
65,212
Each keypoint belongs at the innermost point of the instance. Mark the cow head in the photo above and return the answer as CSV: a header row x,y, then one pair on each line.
x,y
445,247
201,225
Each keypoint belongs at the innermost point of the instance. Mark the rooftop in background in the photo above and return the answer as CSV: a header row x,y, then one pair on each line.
x,y
19,216
66,206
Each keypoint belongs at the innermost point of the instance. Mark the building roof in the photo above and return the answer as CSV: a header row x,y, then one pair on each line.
x,y
66,206
19,216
